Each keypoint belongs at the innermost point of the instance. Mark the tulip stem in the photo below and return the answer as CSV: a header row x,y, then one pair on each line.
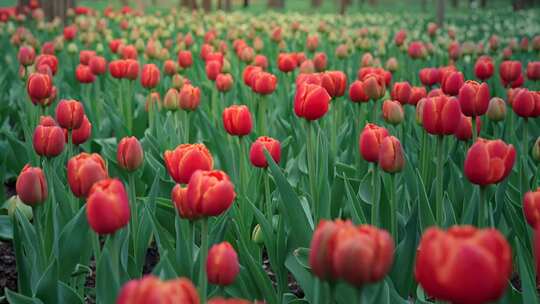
x,y
473,129
310,151
186,130
440,165
374,204
54,206
483,212
393,211
203,252
525,152
262,116
267,195
134,211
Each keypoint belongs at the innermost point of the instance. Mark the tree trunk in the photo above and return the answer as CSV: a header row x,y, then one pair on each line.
x,y
207,5
483,3
227,5
246,3
316,3
423,3
343,6
440,12
219,4
455,3
57,8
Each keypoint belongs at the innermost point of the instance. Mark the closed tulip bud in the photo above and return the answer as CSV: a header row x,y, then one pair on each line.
x,y
391,157
257,236
183,161
49,62
311,101
39,87
489,161
444,260
441,115
26,55
213,69
31,186
417,93
256,153
85,56
370,141
322,248
83,171
98,65
533,70
171,101
224,82
320,60
392,64
150,76
48,141
70,32
401,91
178,81
210,193
364,257
222,265
286,62
400,37
81,134
483,68
185,59
189,97
169,67
474,98
536,150
452,83
151,289
69,114
261,61
129,154
249,74
263,83
132,71
531,207
118,68
417,50
464,130
374,86
392,112
237,120
524,102
83,74
509,71
107,206
430,76
129,52
307,67
334,82
357,93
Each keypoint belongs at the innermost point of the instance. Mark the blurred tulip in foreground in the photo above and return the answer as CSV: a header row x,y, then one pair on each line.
x,y
531,208
151,289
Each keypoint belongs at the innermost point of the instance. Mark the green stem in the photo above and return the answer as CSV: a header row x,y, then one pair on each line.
x,y
96,247
177,118
482,208
268,203
203,252
262,116
317,289
423,154
374,204
186,130
393,211
129,105
310,150
134,212
53,203
525,152
440,165
37,215
474,134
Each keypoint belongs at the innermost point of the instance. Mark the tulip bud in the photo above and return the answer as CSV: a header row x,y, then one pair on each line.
x,y
531,207
185,159
257,235
392,112
263,83
489,161
222,265
69,114
209,193
320,60
524,102
171,101
153,102
444,259
392,64
98,65
26,55
533,70
430,76
81,134
132,71
118,68
31,186
39,87
189,97
451,83
48,141
286,62
334,82
322,248
224,82
85,56
391,157
356,92
150,289
536,150
130,154
169,67
370,141
509,71
83,74
185,60
311,101
417,93
401,91
83,171
150,76
483,68
107,206
47,62
179,198
14,204
237,120
256,153
441,115
496,109
213,69
464,130
474,98
261,61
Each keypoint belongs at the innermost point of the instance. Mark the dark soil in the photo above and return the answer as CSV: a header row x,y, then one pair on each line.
x,y
8,268
152,258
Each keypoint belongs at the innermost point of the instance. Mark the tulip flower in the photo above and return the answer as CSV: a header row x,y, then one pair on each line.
x,y
489,161
185,159
417,50
417,93
452,82
224,82
430,76
129,154
179,198
334,82
357,93
39,87
83,171
118,68
401,91
321,254
132,72
129,52
320,60
47,63
524,103
286,62
465,128
441,115
263,83
509,71
483,68
311,101
171,101
444,259
189,97
69,114
98,65
151,289
48,140
85,56
222,266
391,157
26,55
370,141
533,70
374,86
209,193
496,109
474,98
256,153
185,60
169,67
249,73
81,134
150,76
107,206
213,69
531,207
84,74
228,301
237,120
31,186
392,112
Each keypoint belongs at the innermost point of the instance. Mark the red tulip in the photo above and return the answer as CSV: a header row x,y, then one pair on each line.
x,y
26,55
364,73
150,289
392,112
222,265
237,120
183,161
132,72
98,65
417,93
185,60
483,68
84,74
47,62
322,248
464,130
179,198
311,101
169,67
70,32
417,50
81,134
48,141
451,83
150,76
114,45
356,92
489,161
320,61
524,102
430,76
370,141
129,52
118,68
374,86
474,98
261,61
256,153
209,193
189,97
533,70
213,69
334,82
263,83
531,207
249,73
85,56
444,260
39,87
69,114
401,91
509,71
129,154
400,37
391,157
83,171
441,115
31,186
286,62
107,206
224,82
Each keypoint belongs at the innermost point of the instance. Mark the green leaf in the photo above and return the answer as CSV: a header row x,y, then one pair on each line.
x,y
6,229
164,269
107,284
526,274
68,295
17,298
426,215
73,242
47,286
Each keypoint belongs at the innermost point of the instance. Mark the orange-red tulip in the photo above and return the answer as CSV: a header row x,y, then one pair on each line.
x,y
209,193
83,171
441,115
98,65
150,76
263,83
311,101
26,55
489,161
256,153
391,158
401,91
107,206
370,141
185,59
286,62
417,93
224,82
132,71
531,207
357,93
31,186
222,264
237,120
189,97
183,161
84,74
392,112
151,289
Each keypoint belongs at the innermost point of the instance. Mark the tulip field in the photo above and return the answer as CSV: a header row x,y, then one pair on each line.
x,y
182,156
